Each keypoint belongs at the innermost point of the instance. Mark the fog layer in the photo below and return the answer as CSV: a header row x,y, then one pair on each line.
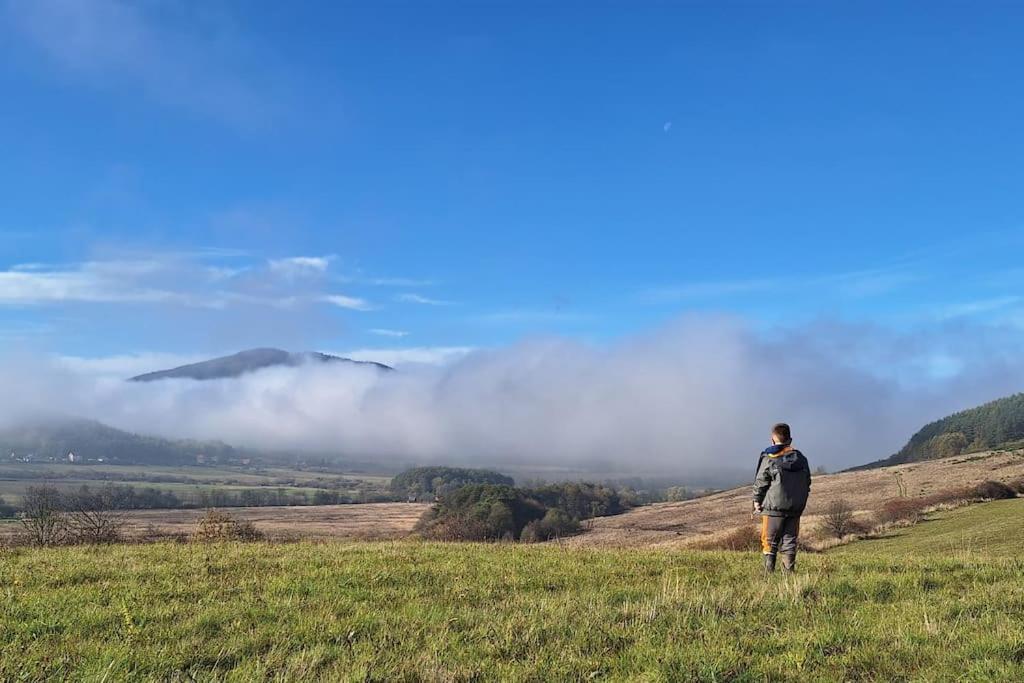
x,y
693,399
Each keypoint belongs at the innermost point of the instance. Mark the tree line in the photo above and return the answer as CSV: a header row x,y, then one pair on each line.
x,y
127,497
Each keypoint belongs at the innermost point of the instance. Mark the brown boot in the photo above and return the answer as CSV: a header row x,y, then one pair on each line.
x,y
789,563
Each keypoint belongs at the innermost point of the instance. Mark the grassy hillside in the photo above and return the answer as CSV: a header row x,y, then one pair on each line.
x,y
867,490
994,424
406,611
988,529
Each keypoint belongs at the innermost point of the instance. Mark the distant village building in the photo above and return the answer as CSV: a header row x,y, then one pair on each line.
x,y
72,457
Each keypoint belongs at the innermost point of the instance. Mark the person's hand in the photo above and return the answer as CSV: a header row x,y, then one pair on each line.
x,y
756,509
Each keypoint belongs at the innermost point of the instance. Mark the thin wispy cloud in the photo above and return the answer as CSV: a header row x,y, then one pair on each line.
x,y
383,332
413,298
397,282
852,284
192,61
300,266
91,283
173,279
349,302
978,307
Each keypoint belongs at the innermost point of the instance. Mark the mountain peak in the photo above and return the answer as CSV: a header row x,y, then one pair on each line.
x,y
247,361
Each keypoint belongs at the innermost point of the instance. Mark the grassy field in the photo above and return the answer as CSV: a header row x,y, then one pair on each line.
x,y
187,482
406,611
13,491
989,529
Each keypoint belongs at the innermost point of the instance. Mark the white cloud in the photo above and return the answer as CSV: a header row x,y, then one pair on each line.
x,y
173,279
349,302
423,355
87,283
412,298
299,266
126,365
382,332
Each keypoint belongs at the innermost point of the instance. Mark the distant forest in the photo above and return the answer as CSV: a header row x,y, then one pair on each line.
x,y
996,424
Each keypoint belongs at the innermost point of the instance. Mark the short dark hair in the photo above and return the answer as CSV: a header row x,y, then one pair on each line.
x,y
781,430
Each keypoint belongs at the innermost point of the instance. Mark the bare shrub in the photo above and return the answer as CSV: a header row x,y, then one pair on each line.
x,y
746,537
901,510
92,519
42,519
994,490
216,526
1017,484
247,531
839,520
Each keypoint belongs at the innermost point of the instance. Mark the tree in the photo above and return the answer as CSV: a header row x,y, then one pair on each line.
x,y
838,520
91,517
43,520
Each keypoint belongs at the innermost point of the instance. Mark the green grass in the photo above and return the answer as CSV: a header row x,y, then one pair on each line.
x,y
414,611
986,529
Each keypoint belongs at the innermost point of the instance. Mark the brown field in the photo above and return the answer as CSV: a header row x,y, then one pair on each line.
x,y
363,521
680,524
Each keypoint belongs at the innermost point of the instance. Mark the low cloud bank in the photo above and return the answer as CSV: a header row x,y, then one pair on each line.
x,y
694,399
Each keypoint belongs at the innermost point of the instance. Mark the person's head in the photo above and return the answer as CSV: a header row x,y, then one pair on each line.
x,y
781,434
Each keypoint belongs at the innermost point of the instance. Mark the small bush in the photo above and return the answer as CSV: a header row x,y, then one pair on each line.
x,y
838,520
746,537
993,490
902,510
1017,484
216,526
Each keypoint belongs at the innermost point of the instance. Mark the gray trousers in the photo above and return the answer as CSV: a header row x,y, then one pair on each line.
x,y
779,535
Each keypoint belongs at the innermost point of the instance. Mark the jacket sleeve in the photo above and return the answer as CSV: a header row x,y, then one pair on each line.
x,y
763,480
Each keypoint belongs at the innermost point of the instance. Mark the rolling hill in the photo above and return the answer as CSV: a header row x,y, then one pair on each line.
x,y
684,523
54,439
244,362
995,424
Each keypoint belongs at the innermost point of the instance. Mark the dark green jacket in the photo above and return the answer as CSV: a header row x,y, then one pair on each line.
x,y
783,483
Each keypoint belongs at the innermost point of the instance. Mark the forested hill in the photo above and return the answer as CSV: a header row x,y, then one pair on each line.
x,y
53,440
995,424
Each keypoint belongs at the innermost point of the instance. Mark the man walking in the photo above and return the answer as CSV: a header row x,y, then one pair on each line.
x,y
781,488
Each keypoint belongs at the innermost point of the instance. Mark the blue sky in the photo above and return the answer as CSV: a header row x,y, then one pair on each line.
x,y
189,178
